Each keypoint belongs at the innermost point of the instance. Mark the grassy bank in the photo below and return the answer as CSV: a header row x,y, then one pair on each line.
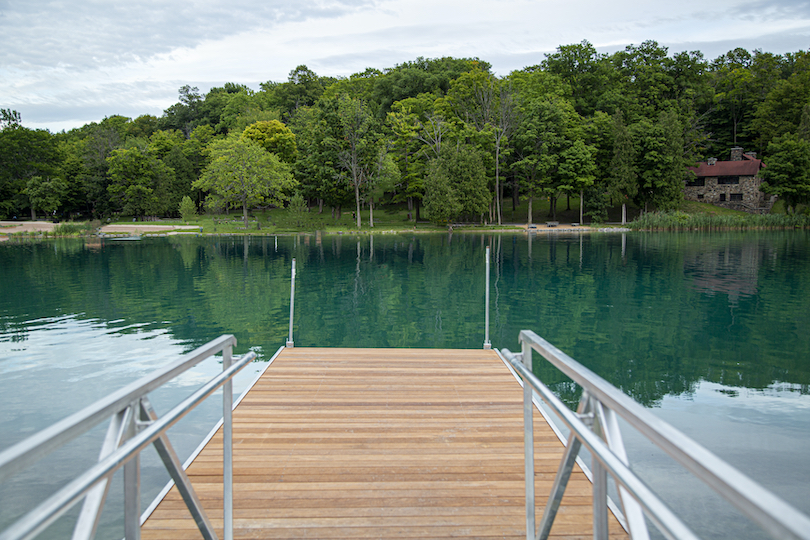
x,y
395,218
682,221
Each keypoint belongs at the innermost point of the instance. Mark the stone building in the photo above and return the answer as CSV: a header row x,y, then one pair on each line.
x,y
732,184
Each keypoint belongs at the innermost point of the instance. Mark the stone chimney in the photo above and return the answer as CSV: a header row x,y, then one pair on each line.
x,y
736,153
711,161
751,155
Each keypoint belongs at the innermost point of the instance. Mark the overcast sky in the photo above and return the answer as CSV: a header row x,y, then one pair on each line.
x,y
64,64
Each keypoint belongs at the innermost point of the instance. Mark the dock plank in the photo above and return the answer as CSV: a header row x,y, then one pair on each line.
x,y
380,443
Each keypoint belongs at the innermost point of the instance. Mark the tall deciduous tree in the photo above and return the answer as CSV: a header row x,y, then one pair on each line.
x,y
788,172
242,174
623,177
356,143
45,194
24,153
660,161
545,131
577,170
274,137
456,185
489,106
419,132
139,182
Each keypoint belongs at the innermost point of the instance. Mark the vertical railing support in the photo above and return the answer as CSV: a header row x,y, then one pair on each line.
x,y
227,447
528,442
132,484
487,343
290,342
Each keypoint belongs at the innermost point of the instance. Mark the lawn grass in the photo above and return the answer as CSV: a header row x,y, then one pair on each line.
x,y
394,218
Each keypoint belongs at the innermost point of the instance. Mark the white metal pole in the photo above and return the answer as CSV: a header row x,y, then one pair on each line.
x,y
487,343
290,342
227,447
528,442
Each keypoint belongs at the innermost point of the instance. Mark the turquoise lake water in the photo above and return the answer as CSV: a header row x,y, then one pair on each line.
x,y
711,331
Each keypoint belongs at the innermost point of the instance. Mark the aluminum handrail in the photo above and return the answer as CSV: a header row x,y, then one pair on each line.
x,y
35,447
136,425
775,516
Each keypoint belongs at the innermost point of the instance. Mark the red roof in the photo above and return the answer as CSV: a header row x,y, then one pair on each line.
x,y
746,167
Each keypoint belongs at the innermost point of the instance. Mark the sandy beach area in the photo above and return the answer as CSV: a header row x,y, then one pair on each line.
x,y
12,227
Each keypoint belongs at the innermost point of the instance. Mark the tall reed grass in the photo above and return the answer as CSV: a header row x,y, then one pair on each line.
x,y
681,221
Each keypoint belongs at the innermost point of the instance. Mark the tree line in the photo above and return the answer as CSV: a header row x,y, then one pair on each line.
x,y
445,136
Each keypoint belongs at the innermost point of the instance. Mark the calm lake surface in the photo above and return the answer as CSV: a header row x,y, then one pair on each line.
x,y
711,331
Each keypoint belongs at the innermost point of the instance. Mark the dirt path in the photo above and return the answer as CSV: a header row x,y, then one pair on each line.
x,y
136,228
13,227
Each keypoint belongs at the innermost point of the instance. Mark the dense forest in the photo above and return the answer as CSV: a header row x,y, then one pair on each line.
x,y
445,136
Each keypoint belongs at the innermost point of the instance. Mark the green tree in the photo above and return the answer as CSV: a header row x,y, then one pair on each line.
x,y
623,179
10,118
303,89
418,133
140,183
46,194
24,153
781,110
187,209
788,172
456,185
356,144
546,129
186,114
274,137
382,176
587,73
577,171
297,209
660,161
488,106
242,174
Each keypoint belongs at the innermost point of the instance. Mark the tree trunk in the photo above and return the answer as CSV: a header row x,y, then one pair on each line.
x,y
531,199
357,199
33,213
498,194
320,206
581,204
624,213
371,212
244,214
568,202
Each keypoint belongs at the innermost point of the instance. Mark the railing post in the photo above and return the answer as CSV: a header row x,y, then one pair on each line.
x,y
132,483
227,446
487,343
528,442
290,342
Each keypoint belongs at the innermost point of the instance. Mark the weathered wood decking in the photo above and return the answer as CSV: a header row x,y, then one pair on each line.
x,y
380,443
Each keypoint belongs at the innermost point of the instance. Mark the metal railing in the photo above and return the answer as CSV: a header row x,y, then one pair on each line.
x,y
595,426
133,427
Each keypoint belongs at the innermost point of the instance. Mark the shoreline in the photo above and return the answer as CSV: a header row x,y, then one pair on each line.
x,y
8,228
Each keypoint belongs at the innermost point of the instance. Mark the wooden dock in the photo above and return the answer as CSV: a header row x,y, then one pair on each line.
x,y
380,443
